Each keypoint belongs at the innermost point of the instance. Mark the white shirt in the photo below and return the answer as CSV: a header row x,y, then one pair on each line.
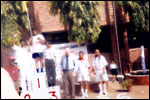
x,y
82,66
21,54
37,45
99,62
49,53
113,66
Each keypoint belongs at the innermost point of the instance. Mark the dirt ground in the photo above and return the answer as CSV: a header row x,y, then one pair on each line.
x,y
114,92
113,88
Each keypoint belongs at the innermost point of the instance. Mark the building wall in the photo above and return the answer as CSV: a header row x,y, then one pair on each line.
x,y
42,18
45,19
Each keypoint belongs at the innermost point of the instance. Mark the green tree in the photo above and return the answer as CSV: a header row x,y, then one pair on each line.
x,y
13,22
138,27
80,17
139,14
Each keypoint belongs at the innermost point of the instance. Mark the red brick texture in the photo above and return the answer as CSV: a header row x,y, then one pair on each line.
x,y
41,17
43,20
135,58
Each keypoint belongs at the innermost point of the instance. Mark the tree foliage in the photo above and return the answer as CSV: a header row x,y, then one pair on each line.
x,y
81,18
13,18
139,14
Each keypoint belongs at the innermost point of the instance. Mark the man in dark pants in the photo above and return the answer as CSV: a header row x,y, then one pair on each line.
x,y
68,74
50,60
50,72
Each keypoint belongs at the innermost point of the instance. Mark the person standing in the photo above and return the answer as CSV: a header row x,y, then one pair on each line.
x,y
113,67
99,64
38,43
24,66
50,62
82,66
68,74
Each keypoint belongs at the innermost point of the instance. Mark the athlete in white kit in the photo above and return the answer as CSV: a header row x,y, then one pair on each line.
x,y
25,66
38,46
83,77
99,64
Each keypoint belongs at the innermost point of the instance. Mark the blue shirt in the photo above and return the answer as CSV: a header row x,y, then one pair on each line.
x,y
71,62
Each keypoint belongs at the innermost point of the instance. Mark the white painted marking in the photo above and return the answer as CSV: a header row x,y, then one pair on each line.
x,y
123,96
103,97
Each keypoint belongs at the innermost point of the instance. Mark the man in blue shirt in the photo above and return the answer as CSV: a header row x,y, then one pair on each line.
x,y
68,74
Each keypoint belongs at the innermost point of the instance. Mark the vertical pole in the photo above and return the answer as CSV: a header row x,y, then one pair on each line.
x,y
28,21
143,59
25,9
116,31
29,24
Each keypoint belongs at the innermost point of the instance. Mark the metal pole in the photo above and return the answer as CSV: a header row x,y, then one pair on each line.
x,y
116,31
143,59
29,24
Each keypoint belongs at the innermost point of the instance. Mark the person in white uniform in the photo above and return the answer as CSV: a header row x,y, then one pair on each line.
x,y
38,43
113,67
25,67
99,64
82,66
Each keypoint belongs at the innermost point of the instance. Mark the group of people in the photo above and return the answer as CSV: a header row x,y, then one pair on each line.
x,y
33,54
41,51
81,69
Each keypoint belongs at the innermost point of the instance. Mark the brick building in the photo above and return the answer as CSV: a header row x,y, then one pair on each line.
x,y
111,43
42,19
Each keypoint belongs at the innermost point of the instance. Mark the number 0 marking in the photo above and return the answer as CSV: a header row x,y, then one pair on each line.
x,y
28,96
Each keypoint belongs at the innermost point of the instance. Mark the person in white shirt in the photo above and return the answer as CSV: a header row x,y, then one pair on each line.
x,y
25,67
50,64
38,43
113,67
99,64
82,66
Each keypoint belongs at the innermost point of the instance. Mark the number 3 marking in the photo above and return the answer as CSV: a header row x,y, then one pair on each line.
x,y
53,94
